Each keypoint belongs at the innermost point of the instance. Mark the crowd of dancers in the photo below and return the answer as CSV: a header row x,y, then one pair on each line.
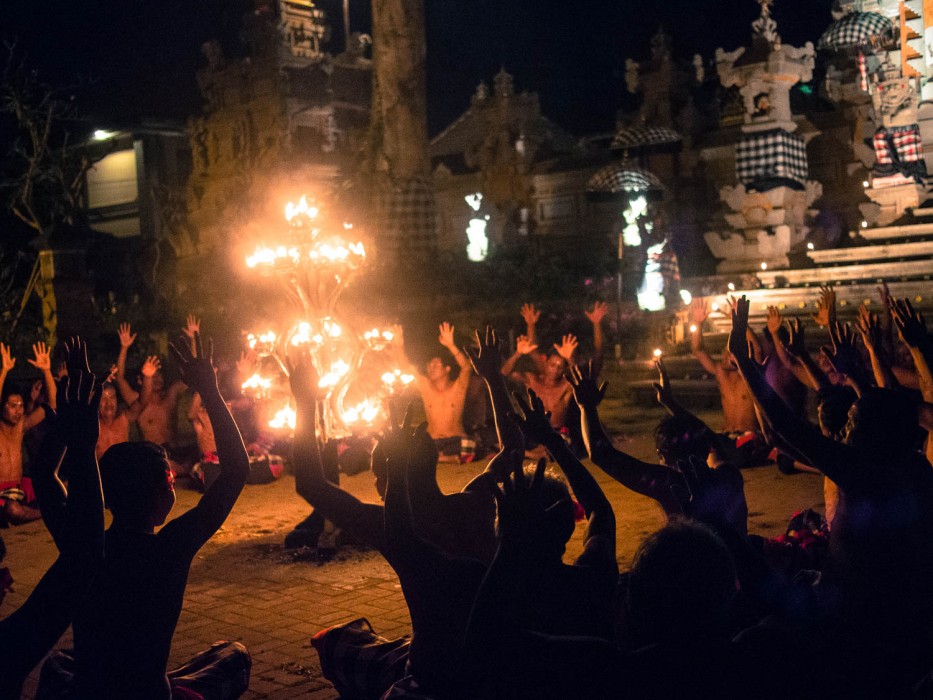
x,y
706,609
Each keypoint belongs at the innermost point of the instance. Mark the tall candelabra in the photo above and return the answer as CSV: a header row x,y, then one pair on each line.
x,y
315,262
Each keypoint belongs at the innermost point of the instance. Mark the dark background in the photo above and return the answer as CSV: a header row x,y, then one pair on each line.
x,y
131,59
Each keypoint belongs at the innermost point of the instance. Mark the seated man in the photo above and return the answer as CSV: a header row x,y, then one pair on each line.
x,y
444,398
157,416
75,519
114,421
17,499
740,422
123,631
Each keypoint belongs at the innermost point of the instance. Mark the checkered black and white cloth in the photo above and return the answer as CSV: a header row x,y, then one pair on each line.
x,y
620,178
771,154
642,137
858,29
408,217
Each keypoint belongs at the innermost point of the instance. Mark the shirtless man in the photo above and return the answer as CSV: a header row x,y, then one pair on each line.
x,y
740,423
443,397
17,499
157,419
548,383
114,423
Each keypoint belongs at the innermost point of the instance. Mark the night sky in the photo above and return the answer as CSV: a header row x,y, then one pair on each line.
x,y
136,59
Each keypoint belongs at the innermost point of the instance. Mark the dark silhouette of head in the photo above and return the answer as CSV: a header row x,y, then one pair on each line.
x,y
833,410
682,585
677,439
559,521
138,483
883,425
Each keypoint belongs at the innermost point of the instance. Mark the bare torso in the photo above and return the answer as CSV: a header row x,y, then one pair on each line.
x,y
204,432
113,433
11,452
555,397
156,419
738,408
444,406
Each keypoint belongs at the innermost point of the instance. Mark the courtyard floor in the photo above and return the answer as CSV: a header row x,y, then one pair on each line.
x,y
244,586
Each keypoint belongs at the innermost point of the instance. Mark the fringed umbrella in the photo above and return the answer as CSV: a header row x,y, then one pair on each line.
x,y
619,181
646,138
859,29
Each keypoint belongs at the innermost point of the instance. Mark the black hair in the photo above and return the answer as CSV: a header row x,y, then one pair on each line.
x,y
833,404
133,475
677,438
682,584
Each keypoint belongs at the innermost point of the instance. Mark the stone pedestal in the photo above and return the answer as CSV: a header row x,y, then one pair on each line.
x,y
892,202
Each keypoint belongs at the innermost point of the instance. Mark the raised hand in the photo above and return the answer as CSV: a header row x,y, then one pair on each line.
x,y
523,346
76,356
585,390
7,360
738,341
77,417
519,504
197,370
843,356
151,366
600,309
42,357
796,344
192,326
567,347
127,337
825,307
486,357
911,326
532,419
303,379
712,496
869,327
446,335
775,321
699,311
244,365
530,314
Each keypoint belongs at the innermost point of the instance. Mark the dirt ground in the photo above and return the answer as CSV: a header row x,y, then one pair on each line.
x,y
245,586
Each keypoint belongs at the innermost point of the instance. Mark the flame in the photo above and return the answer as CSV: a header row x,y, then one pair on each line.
x,y
257,382
338,370
366,412
377,339
292,210
266,339
390,378
283,418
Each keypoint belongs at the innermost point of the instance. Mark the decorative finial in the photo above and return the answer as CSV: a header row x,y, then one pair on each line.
x,y
765,26
503,84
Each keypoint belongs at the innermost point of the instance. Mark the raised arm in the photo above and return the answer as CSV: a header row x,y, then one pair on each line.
x,y
7,363
127,338
487,362
190,329
651,480
148,371
600,539
596,316
869,327
699,312
42,361
199,524
76,521
523,346
825,315
363,520
912,330
446,338
531,316
830,457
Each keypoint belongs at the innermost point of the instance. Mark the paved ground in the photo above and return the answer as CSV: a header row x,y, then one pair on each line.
x,y
244,586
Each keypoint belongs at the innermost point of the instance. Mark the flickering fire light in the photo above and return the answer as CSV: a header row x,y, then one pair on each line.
x,y
283,419
257,384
